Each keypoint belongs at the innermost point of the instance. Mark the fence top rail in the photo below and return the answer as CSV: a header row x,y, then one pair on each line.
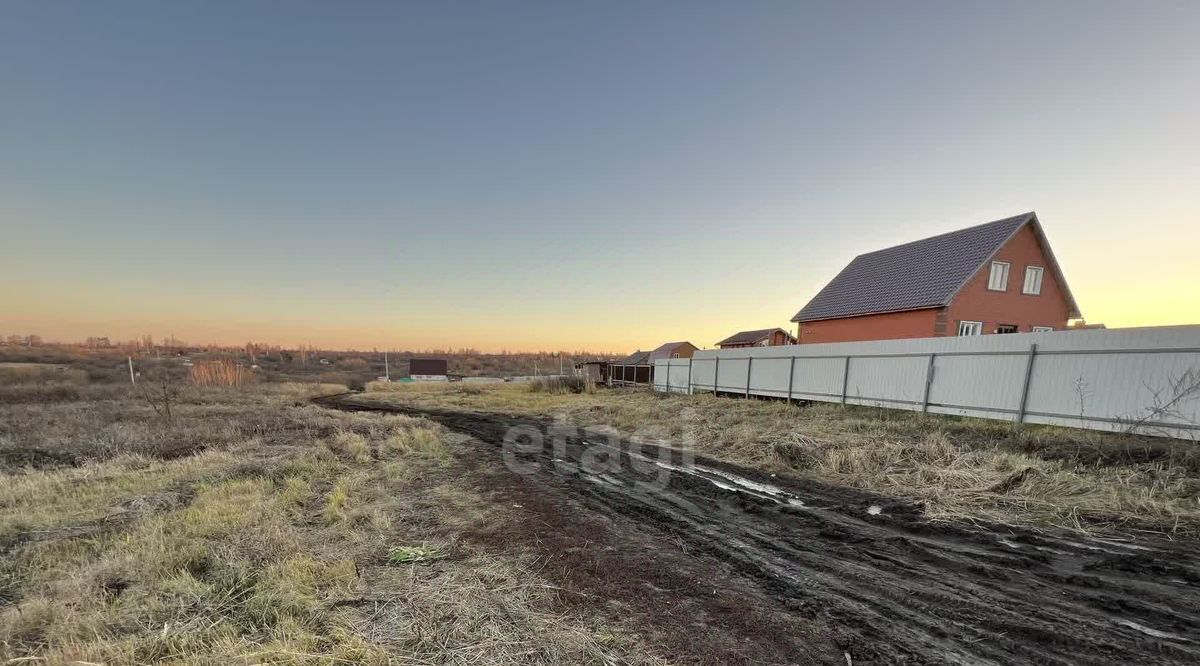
x,y
926,354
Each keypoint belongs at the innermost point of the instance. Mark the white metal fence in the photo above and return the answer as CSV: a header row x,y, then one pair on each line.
x,y
1145,380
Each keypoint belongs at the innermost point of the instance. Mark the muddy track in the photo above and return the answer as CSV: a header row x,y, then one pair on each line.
x,y
906,590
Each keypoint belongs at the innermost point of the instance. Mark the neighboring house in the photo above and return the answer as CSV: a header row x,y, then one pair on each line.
x,y
595,370
673,350
999,277
766,337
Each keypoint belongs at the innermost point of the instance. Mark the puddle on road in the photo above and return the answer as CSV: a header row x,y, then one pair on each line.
x,y
726,481
1152,632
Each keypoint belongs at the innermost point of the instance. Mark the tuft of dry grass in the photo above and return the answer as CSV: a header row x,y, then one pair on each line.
x,y
221,372
563,384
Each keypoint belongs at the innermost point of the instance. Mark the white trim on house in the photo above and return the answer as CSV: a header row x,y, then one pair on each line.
x,y
1043,329
998,276
1033,280
967,327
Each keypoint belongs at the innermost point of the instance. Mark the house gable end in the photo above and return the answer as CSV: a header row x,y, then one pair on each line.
x,y
978,300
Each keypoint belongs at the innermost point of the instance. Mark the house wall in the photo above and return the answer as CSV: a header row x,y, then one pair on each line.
x,y
887,326
596,371
779,338
975,302
775,339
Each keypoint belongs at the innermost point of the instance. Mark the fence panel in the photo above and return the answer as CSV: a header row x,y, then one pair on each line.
x,y
671,375
769,376
819,378
702,374
988,386
889,381
731,374
1143,379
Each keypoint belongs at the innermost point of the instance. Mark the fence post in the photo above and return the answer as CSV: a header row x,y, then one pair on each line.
x,y
749,364
689,383
845,378
791,378
1025,384
716,373
928,384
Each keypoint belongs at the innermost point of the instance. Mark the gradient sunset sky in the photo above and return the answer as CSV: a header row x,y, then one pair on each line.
x,y
560,175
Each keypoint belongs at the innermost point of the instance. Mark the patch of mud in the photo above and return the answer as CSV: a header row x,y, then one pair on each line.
x,y
893,586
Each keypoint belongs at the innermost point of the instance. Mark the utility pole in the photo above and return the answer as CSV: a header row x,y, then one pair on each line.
x,y
131,377
386,374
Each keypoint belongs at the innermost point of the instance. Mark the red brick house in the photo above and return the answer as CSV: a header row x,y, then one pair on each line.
x,y
766,337
999,277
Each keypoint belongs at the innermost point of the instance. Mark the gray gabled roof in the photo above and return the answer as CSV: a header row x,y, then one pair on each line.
x,y
922,274
749,337
636,358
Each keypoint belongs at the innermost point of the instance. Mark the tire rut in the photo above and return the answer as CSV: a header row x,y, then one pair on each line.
x,y
906,589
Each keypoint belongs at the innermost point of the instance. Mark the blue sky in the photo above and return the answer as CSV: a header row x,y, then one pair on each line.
x,y
511,175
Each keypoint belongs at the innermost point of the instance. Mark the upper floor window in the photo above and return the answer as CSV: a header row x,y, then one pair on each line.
x,y
998,279
1033,280
970,328
1042,329
1006,328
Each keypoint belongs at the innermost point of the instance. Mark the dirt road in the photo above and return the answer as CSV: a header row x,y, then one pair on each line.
x,y
892,586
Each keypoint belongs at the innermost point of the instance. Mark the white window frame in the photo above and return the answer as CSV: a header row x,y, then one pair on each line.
x,y
1005,268
973,327
1043,329
1036,290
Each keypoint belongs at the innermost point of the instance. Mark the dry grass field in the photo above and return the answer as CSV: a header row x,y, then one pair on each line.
x,y
958,468
183,523
254,527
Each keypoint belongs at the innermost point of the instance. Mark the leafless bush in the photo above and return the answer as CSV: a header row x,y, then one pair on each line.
x,y
160,390
1166,404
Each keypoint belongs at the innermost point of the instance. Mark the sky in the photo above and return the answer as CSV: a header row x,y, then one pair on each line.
x,y
549,175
